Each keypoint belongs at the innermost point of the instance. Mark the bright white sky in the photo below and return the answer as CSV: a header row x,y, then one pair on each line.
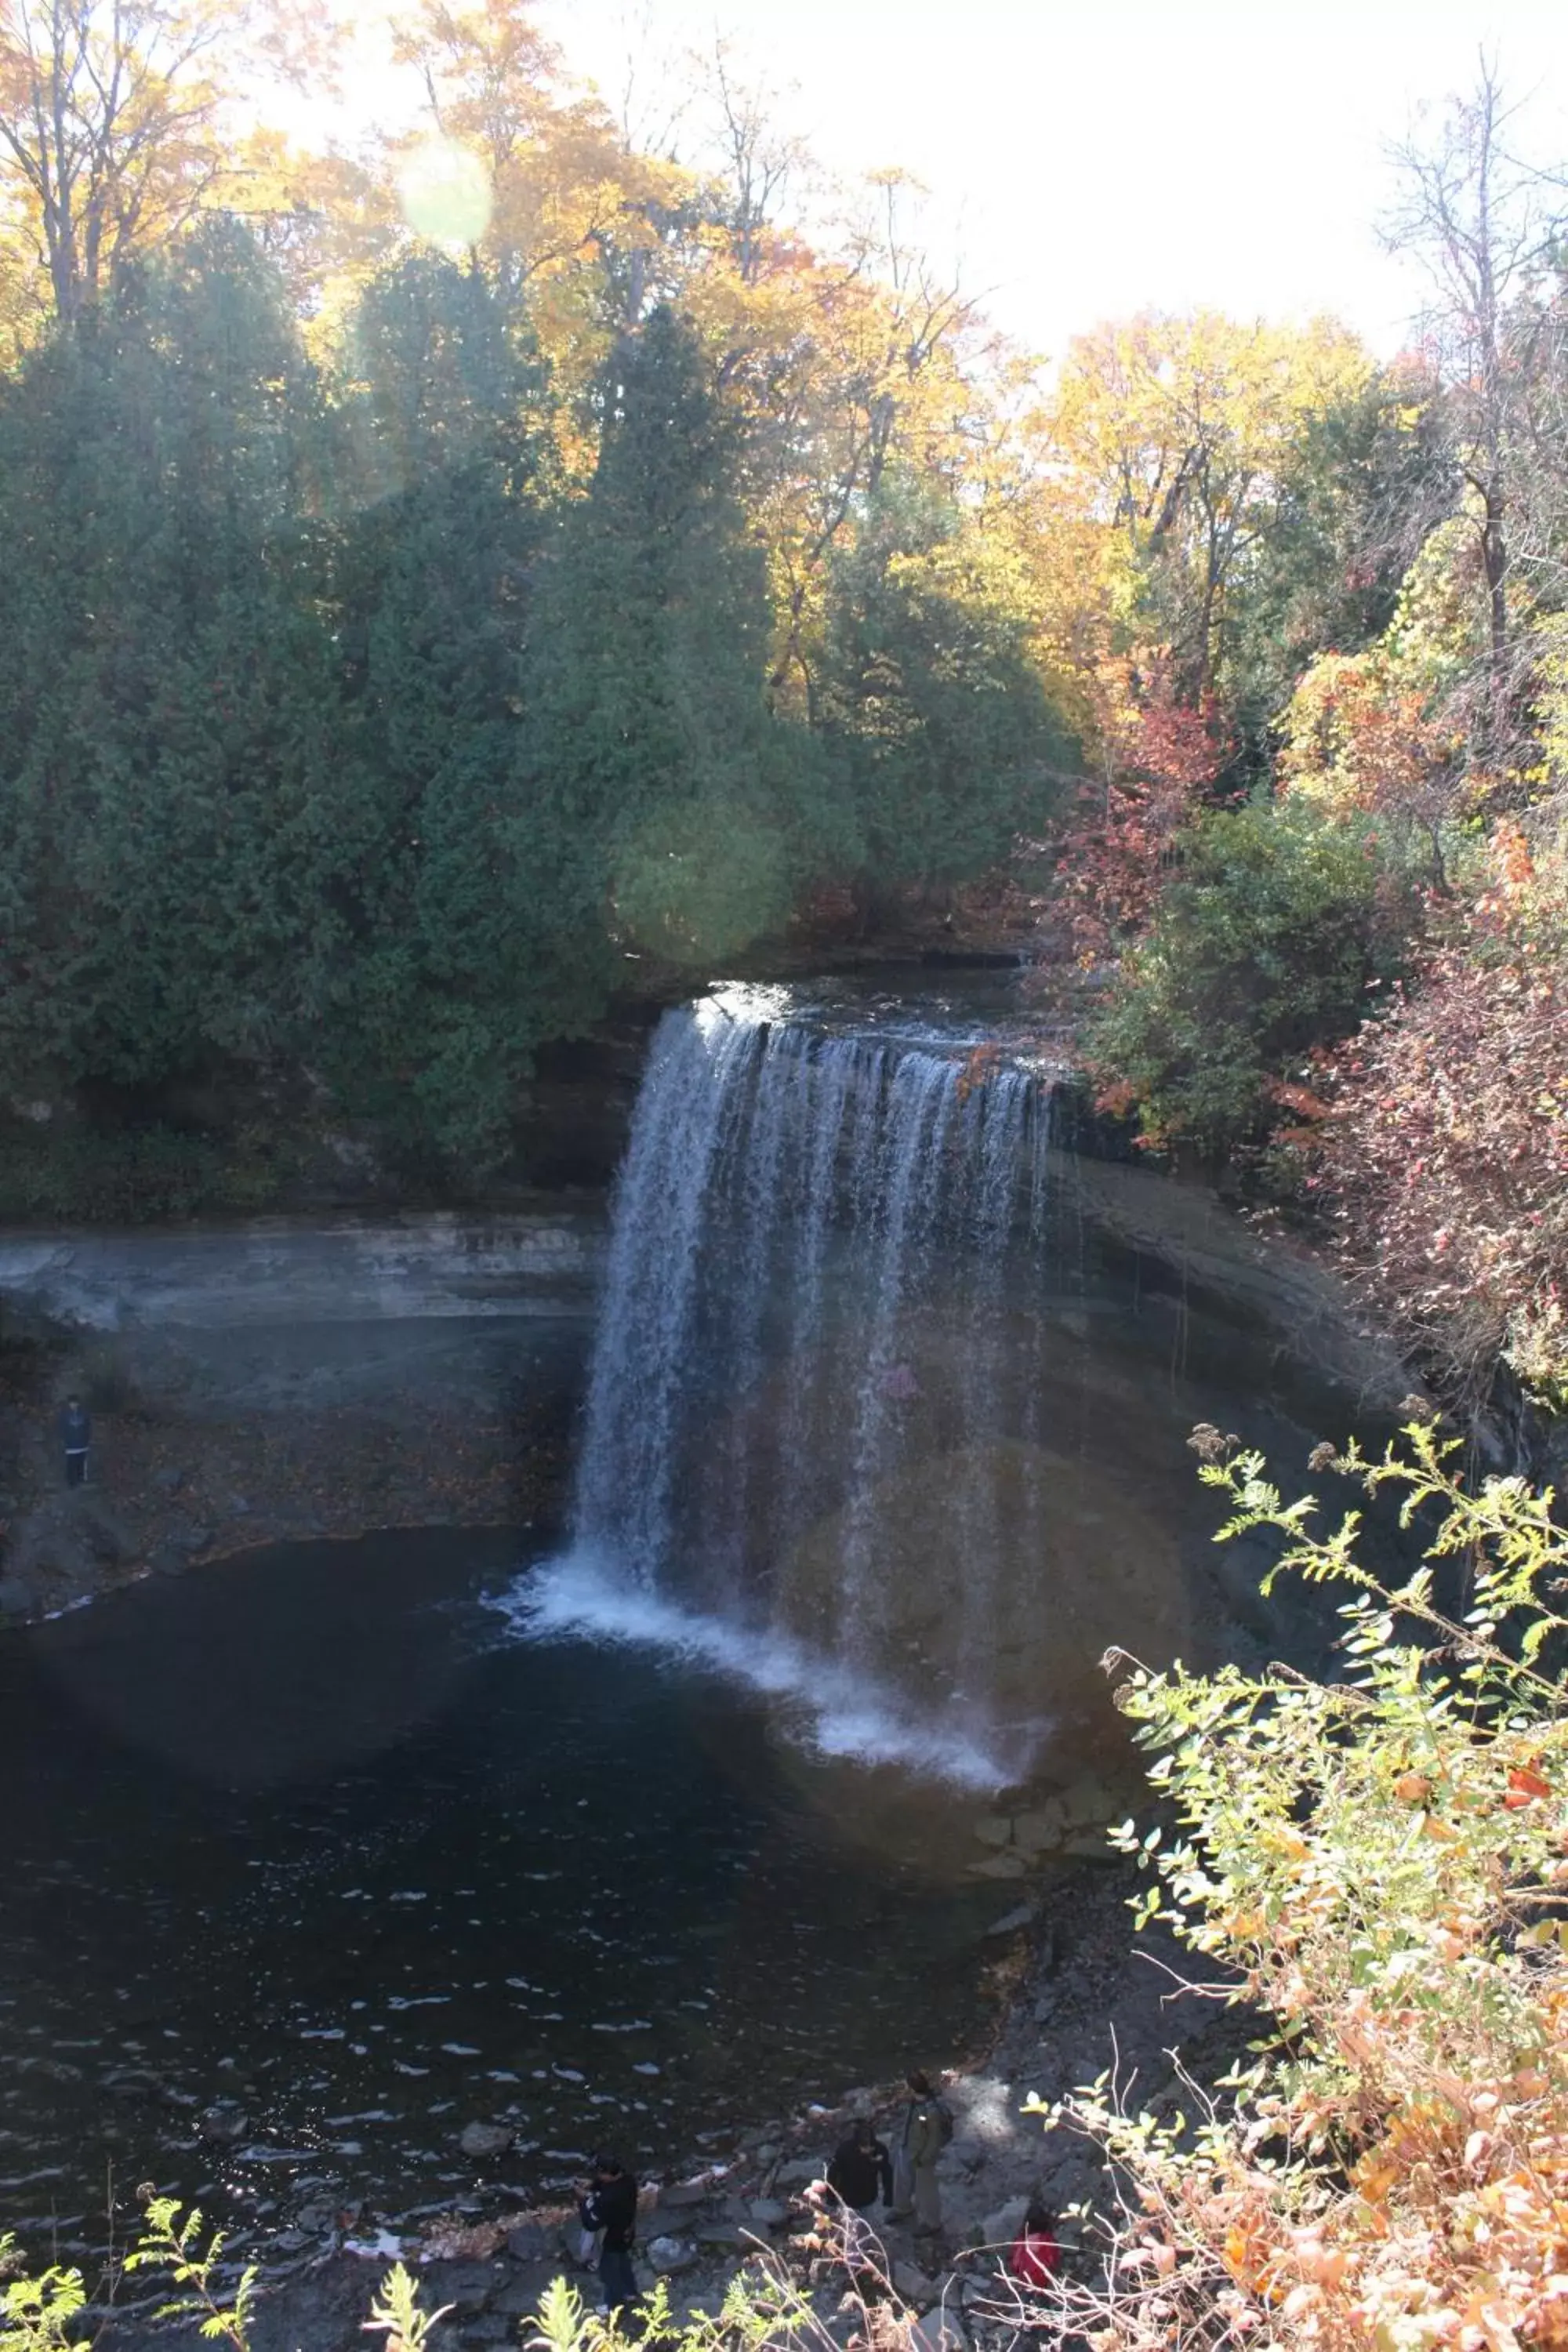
x,y
1088,160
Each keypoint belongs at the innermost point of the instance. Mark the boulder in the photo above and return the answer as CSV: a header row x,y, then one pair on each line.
x,y
994,1829
1041,1828
1088,1803
1012,1922
671,2255
798,2171
466,2288
1002,2227
1005,1865
769,2212
913,2285
679,2195
530,2243
486,2139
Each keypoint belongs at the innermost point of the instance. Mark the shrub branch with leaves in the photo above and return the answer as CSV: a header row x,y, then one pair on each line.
x,y
1381,1864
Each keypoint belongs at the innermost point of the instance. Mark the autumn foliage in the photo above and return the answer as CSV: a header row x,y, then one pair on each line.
x,y
1380,1866
1445,1148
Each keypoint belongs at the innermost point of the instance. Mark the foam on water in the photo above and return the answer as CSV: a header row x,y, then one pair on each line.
x,y
837,1710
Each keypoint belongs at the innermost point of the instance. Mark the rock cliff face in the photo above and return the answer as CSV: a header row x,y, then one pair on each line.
x,y
255,1381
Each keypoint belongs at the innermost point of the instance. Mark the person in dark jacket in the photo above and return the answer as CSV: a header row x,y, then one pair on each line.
x,y
611,2205
861,2170
76,1436
927,2128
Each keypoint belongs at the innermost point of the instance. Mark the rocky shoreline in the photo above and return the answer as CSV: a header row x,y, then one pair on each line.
x,y
1083,1995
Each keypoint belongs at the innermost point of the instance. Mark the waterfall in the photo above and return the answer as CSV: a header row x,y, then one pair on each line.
x,y
811,1444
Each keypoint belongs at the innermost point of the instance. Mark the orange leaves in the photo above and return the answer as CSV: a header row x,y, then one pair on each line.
x,y
1525,1786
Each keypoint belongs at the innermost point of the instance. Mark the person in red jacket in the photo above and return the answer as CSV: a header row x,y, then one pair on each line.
x,y
1036,2257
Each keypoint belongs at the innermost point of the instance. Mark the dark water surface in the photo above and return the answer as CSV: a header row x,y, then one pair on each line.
x,y
315,1835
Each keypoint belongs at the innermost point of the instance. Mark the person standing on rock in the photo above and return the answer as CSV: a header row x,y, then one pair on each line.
x,y
927,2128
860,2170
611,2205
76,1436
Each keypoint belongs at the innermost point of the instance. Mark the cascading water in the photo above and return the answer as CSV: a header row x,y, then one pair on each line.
x,y
814,1330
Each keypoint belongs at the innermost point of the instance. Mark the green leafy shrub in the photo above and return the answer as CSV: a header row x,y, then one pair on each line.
x,y
1261,949
1382,1864
136,1175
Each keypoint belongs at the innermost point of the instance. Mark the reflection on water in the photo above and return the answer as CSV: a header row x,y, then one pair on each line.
x,y
312,1837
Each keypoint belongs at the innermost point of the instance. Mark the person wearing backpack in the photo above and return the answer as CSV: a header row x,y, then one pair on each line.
x,y
610,2204
927,2128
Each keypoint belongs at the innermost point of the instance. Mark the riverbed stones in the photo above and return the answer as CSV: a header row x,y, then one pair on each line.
x,y
670,2256
1005,1865
483,2140
994,1829
1040,1828
914,2285
1013,1923
466,2288
769,2212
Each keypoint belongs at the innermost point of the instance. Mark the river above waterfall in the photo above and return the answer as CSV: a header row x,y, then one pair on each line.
x,y
310,1838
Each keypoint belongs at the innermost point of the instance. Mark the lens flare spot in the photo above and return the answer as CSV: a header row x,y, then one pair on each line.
x,y
444,192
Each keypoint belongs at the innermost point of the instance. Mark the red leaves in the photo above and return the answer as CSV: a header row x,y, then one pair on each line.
x,y
1525,1786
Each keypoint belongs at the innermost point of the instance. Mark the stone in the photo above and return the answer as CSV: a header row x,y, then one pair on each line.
x,y
1038,1830
1002,2227
680,2194
1011,1922
938,2334
530,2243
169,1559
913,2285
1007,1865
466,2288
797,2172
994,1829
963,2155
671,2255
769,2212
521,2294
1088,1802
486,2139
1089,1846
718,2234
169,1479
194,1539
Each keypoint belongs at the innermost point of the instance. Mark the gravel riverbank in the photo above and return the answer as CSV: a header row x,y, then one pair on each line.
x,y
1084,1995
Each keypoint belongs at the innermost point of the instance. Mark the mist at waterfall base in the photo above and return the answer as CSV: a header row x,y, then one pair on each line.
x,y
311,1836
821,1445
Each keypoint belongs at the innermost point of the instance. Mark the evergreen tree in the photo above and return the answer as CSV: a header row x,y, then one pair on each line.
x,y
944,740
669,795
463,958
165,683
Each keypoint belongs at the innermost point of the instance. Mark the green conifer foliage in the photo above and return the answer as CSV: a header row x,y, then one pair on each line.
x,y
945,744
677,804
